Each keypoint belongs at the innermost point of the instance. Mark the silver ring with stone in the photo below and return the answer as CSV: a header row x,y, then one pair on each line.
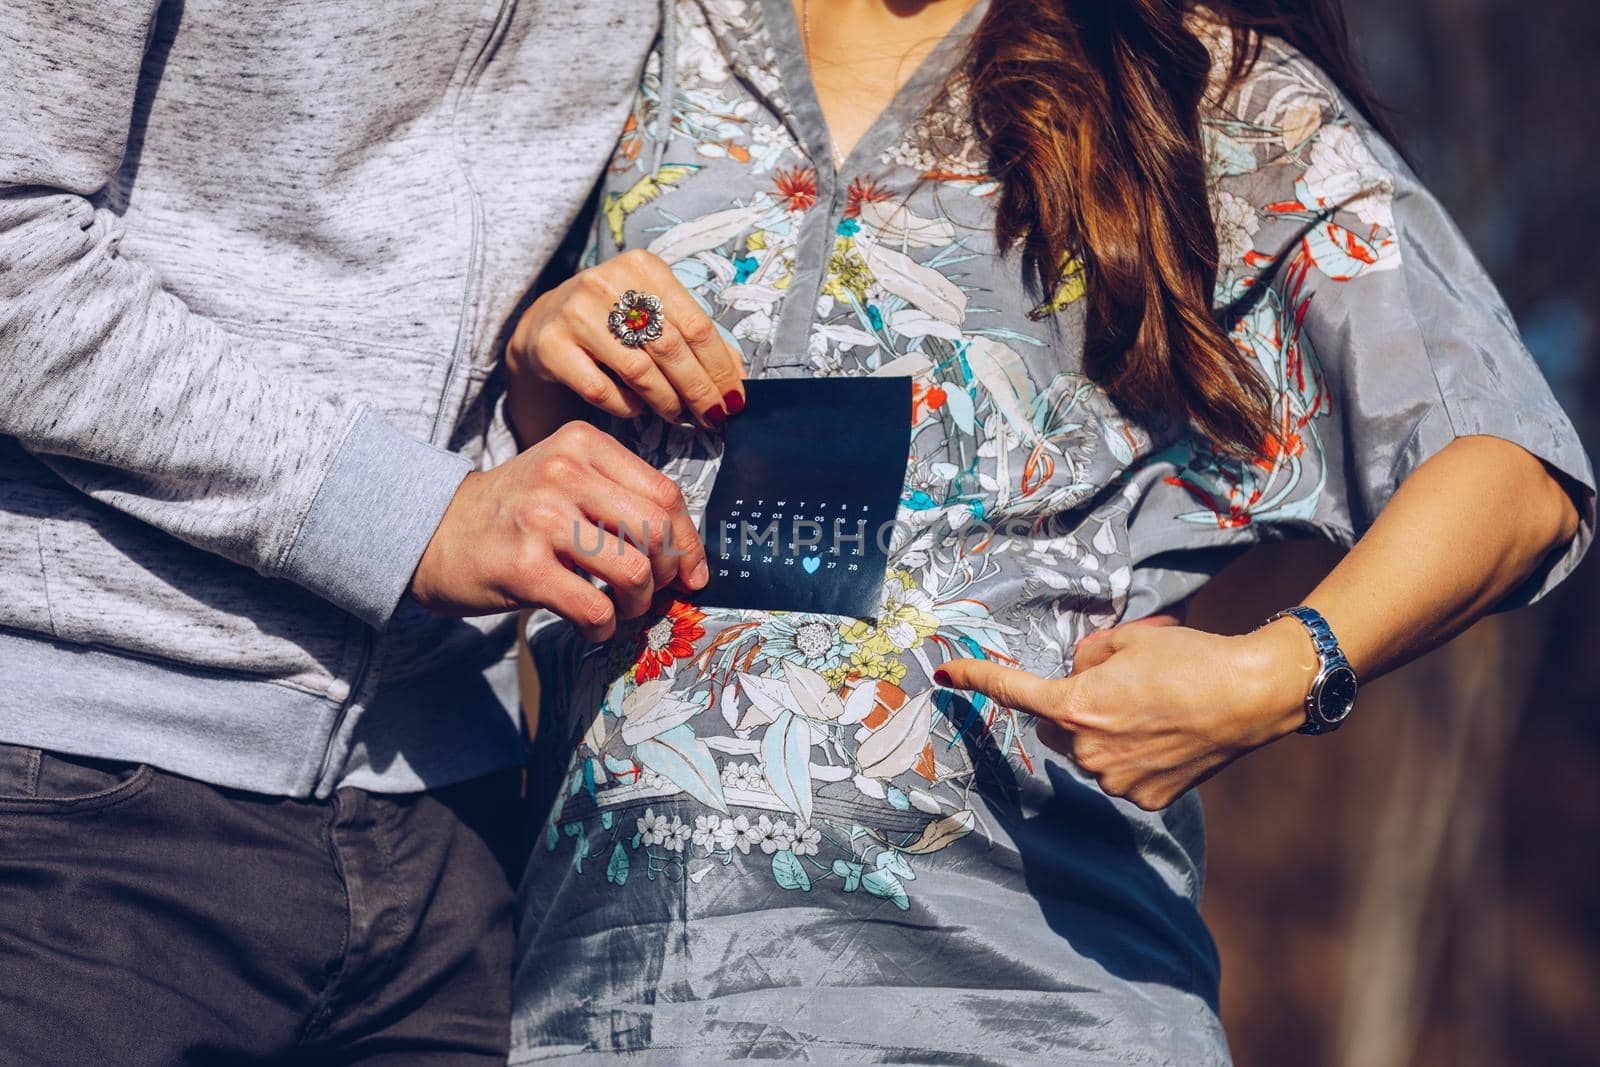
x,y
635,318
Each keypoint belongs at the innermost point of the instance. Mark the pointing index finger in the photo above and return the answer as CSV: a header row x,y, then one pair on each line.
x,y
1006,686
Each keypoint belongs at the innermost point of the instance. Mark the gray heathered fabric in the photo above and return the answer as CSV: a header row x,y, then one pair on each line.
x,y
255,264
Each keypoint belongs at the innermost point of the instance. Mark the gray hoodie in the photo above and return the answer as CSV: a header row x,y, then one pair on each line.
x,y
256,260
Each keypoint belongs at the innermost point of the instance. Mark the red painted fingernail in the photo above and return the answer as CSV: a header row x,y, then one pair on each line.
x,y
716,417
733,401
941,677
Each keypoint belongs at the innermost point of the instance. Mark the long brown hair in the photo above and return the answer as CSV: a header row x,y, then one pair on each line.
x,y
1090,112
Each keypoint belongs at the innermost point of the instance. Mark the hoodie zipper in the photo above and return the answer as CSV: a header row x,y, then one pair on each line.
x,y
503,13
464,324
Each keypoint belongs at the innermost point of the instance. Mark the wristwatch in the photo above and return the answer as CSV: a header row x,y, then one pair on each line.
x,y
1333,691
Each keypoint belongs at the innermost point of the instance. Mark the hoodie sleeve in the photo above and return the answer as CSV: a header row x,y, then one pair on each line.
x,y
153,410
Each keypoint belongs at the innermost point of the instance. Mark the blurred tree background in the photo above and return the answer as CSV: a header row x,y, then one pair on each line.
x,y
1421,888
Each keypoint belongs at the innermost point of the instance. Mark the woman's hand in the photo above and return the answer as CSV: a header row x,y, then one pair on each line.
x,y
1153,710
689,372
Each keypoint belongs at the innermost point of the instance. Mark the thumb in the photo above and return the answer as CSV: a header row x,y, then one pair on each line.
x,y
1093,653
1166,618
1006,686
1100,637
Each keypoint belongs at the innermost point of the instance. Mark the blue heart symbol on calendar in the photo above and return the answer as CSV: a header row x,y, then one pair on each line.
x,y
811,563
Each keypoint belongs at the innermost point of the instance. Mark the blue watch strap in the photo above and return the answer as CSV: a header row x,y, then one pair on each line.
x,y
1329,656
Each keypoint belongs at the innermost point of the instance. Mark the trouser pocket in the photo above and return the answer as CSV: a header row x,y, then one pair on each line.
x,y
38,780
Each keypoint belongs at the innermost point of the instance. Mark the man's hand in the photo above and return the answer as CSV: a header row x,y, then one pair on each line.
x,y
524,533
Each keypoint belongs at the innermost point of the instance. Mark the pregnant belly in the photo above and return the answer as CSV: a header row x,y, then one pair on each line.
x,y
812,738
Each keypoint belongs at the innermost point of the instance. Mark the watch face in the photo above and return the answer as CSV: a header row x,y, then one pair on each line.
x,y
1336,695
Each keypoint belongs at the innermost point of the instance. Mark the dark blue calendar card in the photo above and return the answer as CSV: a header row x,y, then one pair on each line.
x,y
803,507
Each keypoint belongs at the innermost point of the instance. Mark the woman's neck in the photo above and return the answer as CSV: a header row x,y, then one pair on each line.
x,y
862,51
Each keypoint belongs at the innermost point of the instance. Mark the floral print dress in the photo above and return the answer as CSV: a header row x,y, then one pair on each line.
x,y
768,834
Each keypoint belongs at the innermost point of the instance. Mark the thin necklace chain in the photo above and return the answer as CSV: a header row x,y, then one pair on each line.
x,y
805,37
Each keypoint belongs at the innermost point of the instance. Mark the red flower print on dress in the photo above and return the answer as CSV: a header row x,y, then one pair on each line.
x,y
861,191
797,187
930,396
667,640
